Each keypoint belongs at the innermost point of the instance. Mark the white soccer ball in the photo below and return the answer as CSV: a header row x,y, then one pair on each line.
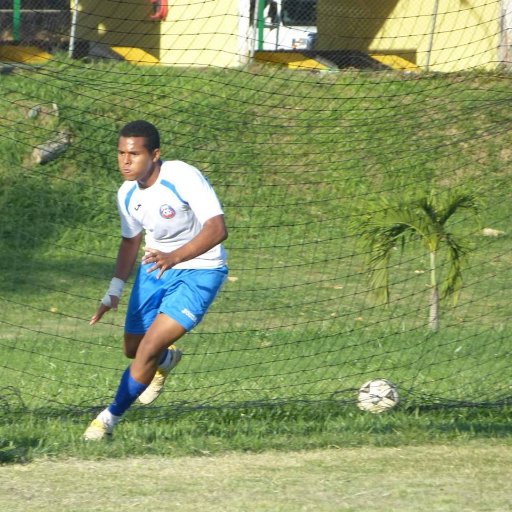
x,y
377,396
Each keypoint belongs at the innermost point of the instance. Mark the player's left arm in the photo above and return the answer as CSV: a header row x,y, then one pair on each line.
x,y
214,232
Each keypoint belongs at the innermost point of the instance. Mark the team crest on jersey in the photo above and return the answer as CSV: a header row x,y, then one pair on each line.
x,y
167,212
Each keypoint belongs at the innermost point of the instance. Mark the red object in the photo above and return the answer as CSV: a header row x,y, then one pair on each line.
x,y
160,9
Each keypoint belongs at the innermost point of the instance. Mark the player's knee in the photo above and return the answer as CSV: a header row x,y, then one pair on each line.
x,y
129,352
149,352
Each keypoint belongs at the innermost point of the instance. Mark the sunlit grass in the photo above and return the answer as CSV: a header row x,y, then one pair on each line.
x,y
294,333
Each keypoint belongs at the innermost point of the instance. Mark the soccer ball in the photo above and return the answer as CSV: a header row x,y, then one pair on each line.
x,y
377,396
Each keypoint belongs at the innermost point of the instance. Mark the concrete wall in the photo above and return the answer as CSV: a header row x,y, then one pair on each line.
x,y
466,33
118,23
195,33
201,33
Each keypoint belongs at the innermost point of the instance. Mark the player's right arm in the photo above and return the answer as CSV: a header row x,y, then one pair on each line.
x,y
126,258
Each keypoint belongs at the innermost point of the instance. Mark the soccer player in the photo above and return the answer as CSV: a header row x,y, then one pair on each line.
x,y
181,272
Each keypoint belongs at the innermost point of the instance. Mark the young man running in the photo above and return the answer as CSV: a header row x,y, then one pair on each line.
x,y
182,269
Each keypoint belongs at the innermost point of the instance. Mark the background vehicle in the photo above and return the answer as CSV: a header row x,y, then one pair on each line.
x,y
287,25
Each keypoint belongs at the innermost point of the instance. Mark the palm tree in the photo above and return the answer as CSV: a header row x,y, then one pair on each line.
x,y
423,219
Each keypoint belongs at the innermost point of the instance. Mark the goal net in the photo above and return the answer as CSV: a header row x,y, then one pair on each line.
x,y
310,119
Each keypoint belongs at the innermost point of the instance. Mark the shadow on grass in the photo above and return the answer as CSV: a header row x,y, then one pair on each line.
x,y
19,452
36,211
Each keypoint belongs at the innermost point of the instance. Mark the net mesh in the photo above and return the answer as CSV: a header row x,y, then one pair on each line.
x,y
303,115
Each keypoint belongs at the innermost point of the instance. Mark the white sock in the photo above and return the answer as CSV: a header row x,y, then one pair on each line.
x,y
108,418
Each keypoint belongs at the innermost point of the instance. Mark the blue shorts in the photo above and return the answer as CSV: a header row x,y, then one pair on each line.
x,y
184,295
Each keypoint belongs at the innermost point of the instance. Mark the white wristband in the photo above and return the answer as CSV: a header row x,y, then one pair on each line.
x,y
116,289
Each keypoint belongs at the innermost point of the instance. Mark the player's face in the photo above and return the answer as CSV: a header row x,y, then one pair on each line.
x,y
135,161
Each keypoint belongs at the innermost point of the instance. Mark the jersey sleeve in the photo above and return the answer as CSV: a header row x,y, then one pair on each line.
x,y
130,227
196,190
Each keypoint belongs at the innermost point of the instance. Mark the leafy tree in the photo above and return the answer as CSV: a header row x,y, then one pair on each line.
x,y
425,220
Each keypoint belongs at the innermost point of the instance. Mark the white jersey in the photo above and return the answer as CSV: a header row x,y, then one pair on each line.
x,y
172,211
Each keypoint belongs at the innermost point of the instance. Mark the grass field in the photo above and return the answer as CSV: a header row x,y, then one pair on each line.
x,y
277,363
460,477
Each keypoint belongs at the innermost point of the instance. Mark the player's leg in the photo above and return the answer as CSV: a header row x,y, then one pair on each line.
x,y
154,345
138,375
168,360
131,344
186,302
142,310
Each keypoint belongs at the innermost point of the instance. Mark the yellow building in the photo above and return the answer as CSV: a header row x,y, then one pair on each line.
x,y
435,35
194,32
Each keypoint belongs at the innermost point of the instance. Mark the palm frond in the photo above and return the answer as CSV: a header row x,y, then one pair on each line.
x,y
455,202
382,232
457,251
421,218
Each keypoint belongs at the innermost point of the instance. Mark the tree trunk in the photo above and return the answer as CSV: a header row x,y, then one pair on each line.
x,y
433,319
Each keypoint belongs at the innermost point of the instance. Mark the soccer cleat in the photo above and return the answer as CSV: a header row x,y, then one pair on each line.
x,y
97,431
152,392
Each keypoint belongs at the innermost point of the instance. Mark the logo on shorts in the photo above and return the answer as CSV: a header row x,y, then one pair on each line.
x,y
167,212
191,315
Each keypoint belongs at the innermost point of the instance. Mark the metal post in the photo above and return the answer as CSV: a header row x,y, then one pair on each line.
x,y
72,30
261,23
16,19
432,32
505,54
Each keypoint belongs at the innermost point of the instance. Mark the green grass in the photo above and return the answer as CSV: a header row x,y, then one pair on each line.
x,y
295,158
463,476
286,427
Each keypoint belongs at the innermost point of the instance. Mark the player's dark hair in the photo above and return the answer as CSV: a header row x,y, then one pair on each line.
x,y
142,129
